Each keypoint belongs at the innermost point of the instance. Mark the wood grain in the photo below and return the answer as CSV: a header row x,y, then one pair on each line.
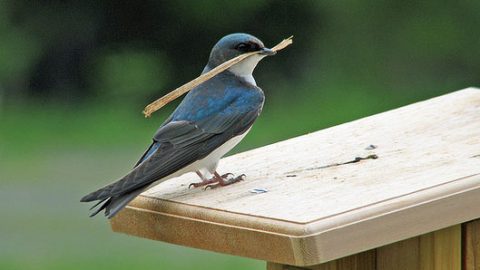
x,y
361,261
439,250
400,255
326,198
471,245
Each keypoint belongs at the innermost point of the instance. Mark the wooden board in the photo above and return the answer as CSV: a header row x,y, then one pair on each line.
x,y
471,245
439,250
400,255
320,204
361,261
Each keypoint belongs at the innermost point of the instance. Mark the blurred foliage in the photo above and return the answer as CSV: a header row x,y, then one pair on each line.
x,y
75,75
129,74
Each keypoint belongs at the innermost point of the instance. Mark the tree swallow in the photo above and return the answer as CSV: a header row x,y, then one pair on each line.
x,y
211,119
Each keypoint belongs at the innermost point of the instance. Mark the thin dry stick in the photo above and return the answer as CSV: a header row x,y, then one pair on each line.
x,y
159,103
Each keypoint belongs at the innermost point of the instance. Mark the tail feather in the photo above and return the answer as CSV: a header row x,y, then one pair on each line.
x,y
100,194
113,205
103,206
118,203
95,205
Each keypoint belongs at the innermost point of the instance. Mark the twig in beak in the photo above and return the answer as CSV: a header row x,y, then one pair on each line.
x,y
159,103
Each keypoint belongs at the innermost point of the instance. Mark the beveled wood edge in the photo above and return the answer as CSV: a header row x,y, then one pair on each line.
x,y
414,214
318,241
439,249
205,235
168,207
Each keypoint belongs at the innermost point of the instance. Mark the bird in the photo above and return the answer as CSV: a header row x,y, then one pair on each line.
x,y
212,119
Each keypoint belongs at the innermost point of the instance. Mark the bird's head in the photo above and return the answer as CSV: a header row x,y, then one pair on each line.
x,y
233,45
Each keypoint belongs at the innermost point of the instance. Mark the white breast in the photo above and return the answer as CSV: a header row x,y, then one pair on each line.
x,y
244,69
210,161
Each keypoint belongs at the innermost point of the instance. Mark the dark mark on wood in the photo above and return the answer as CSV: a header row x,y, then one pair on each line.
x,y
371,147
291,175
476,156
356,160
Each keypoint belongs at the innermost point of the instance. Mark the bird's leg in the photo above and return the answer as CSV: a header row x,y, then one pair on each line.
x,y
204,182
225,180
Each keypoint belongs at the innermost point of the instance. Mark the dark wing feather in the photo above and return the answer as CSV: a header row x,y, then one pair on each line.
x,y
153,147
150,150
180,144
214,124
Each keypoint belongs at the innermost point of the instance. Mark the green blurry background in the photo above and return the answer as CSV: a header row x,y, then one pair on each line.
x,y
75,75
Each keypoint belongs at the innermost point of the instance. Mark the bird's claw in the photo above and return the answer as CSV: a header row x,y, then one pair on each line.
x,y
203,183
210,186
242,177
194,185
227,175
226,181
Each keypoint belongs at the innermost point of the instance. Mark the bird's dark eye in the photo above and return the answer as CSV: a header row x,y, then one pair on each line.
x,y
242,47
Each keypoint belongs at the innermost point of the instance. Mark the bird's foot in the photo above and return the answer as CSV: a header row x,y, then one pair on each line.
x,y
225,180
203,183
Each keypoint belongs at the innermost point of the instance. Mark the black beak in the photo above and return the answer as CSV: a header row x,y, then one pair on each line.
x,y
267,51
